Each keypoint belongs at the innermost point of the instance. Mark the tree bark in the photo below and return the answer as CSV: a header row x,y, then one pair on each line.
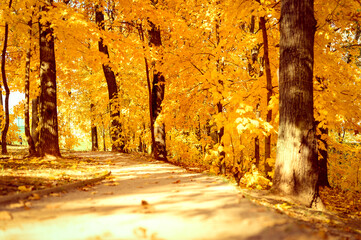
x,y
6,87
150,103
158,87
256,141
220,65
267,145
48,136
322,156
35,121
222,153
94,131
296,171
118,144
29,138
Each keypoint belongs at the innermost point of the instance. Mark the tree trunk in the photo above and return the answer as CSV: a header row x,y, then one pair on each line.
x,y
220,66
104,143
296,171
158,87
48,138
35,121
6,87
267,145
150,103
222,153
322,156
256,140
115,126
94,131
29,138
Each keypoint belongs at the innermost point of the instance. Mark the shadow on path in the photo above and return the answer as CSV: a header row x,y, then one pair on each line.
x,y
151,200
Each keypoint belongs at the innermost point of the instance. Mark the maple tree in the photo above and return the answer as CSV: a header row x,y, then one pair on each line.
x,y
48,134
6,87
296,169
196,81
29,137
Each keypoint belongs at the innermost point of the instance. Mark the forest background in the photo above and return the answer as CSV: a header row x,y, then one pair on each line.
x,y
194,82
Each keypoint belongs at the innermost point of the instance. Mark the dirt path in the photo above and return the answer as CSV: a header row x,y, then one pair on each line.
x,y
151,200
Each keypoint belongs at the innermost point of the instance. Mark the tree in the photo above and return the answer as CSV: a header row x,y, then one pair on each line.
x,y
296,170
32,150
158,87
322,153
94,131
35,120
115,129
48,135
267,145
7,91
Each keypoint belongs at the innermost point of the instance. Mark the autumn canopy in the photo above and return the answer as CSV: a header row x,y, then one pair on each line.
x,y
198,83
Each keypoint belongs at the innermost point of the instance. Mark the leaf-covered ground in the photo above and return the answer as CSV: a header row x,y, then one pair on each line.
x,y
19,174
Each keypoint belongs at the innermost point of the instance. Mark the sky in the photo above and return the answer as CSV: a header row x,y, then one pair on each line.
x,y
14,99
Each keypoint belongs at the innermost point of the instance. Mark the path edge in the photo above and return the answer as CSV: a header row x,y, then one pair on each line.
x,y
20,196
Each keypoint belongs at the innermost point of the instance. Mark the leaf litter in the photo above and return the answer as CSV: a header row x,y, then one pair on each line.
x,y
20,174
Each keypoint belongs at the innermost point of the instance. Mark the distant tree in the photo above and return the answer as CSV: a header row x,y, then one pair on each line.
x,y
116,127
94,131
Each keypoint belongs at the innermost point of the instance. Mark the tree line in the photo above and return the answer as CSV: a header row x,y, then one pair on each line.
x,y
200,82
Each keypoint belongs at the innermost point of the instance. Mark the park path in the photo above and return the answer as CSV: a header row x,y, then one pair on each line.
x,y
150,200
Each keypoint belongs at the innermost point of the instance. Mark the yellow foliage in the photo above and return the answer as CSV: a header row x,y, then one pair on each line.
x,y
254,179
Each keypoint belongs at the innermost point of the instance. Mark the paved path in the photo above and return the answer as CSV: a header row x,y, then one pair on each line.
x,y
150,200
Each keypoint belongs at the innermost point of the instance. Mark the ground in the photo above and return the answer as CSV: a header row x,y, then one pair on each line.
x,y
146,199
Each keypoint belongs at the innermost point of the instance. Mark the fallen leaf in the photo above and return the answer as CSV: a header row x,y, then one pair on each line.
x,y
35,196
5,215
144,203
108,193
25,188
176,182
85,189
27,205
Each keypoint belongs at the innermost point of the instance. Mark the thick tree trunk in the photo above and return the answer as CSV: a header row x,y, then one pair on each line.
x,y
158,87
29,138
48,136
267,145
296,171
115,126
94,131
6,87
